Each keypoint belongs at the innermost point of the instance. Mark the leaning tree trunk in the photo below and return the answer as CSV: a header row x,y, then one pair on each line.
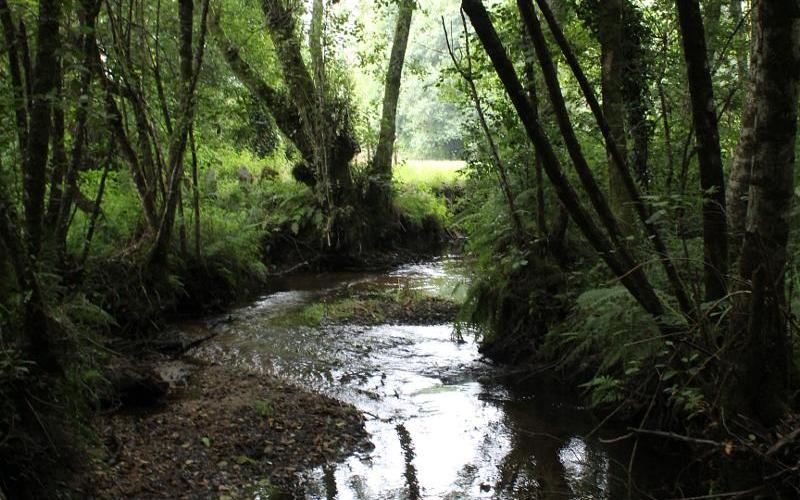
x,y
641,208
763,359
704,116
380,186
632,278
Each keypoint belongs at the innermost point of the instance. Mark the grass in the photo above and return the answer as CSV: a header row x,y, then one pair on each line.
x,y
420,184
429,173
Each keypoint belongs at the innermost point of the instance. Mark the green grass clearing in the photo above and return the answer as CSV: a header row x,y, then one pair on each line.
x,y
429,173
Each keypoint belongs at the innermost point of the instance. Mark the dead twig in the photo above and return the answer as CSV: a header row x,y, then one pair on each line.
x,y
678,437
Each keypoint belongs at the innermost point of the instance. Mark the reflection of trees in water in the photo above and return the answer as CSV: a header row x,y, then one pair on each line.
x,y
329,478
532,468
545,461
410,472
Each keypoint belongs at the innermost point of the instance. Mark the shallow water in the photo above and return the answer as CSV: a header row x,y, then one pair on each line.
x,y
444,423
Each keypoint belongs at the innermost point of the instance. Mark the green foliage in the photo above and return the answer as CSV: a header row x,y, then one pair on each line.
x,y
417,204
430,174
263,408
606,333
613,343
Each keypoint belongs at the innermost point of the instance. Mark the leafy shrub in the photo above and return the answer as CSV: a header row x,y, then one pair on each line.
x,y
612,344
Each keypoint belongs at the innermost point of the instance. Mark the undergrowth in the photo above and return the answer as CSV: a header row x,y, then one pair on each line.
x,y
255,219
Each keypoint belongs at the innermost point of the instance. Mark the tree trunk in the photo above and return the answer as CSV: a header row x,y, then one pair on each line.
x,y
43,85
739,178
36,339
98,201
190,72
58,161
640,289
15,70
666,110
573,147
764,358
740,47
316,44
533,97
712,12
116,124
635,90
61,208
195,194
610,24
642,209
328,135
286,115
380,188
712,183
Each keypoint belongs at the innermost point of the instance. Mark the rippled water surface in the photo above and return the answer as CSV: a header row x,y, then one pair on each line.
x,y
444,423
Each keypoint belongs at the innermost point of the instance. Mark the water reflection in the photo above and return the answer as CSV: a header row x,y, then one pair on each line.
x,y
442,423
410,473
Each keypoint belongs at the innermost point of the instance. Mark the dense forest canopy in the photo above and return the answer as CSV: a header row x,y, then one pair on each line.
x,y
619,175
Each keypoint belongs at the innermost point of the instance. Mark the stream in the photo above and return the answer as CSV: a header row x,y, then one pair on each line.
x,y
444,422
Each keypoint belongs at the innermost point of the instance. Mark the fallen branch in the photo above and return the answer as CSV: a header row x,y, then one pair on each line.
x,y
292,269
787,439
678,437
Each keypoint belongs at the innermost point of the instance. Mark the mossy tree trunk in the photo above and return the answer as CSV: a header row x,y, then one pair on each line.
x,y
610,31
380,183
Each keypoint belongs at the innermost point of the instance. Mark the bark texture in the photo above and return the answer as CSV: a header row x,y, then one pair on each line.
x,y
45,77
704,117
760,317
742,164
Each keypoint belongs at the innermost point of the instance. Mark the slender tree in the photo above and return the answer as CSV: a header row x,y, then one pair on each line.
x,y
381,170
465,69
190,73
704,117
632,277
641,207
